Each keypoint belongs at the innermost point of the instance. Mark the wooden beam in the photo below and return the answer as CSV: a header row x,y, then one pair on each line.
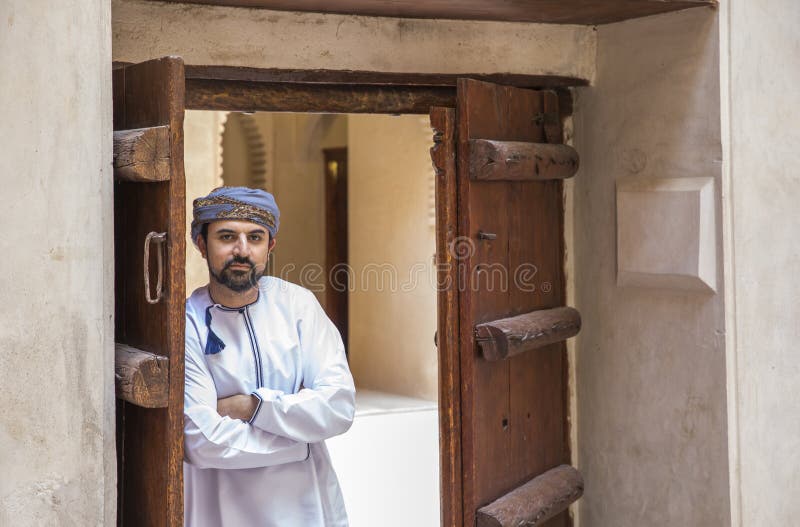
x,y
588,12
511,336
141,377
202,81
536,501
518,161
375,78
142,154
225,95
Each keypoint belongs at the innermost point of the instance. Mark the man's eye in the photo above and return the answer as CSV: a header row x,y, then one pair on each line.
x,y
255,237
226,237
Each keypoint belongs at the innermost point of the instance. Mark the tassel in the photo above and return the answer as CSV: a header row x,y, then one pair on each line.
x,y
214,344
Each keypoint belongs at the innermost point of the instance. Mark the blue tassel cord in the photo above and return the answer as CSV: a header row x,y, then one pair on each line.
x,y
214,344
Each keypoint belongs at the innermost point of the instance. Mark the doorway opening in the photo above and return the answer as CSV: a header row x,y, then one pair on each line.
x,y
356,193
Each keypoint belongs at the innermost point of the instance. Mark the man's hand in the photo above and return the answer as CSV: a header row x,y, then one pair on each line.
x,y
237,406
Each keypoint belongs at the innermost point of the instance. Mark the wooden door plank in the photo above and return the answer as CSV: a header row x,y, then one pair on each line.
x,y
151,94
526,217
485,396
443,155
537,385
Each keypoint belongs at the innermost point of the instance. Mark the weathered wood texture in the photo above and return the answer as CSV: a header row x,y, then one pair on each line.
x,y
534,502
443,155
142,154
549,11
375,78
514,412
520,161
141,377
512,336
210,94
150,440
221,87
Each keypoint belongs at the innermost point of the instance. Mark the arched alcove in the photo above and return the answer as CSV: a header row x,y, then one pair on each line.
x,y
245,151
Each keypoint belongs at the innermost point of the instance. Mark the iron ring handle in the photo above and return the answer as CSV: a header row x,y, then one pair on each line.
x,y
159,238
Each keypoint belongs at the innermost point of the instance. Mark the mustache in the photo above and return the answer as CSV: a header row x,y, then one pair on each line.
x,y
238,260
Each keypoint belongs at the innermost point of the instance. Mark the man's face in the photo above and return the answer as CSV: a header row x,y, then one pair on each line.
x,y
236,252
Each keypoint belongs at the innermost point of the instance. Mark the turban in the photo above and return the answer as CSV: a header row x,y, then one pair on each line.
x,y
236,203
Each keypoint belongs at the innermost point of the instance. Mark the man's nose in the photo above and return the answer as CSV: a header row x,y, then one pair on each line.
x,y
241,248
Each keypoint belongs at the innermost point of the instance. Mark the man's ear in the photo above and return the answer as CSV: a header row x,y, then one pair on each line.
x,y
201,244
272,242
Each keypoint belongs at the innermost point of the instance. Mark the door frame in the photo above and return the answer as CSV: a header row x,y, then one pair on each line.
x,y
242,89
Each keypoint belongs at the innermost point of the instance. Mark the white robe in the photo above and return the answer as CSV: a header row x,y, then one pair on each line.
x,y
275,469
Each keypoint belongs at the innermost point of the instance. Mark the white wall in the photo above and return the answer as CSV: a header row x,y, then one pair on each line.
x,y
203,167
57,464
391,235
651,396
761,137
276,39
299,187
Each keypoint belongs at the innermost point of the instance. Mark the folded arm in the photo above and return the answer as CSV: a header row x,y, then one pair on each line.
x,y
326,404
212,440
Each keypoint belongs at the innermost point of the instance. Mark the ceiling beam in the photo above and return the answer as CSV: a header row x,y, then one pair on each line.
x,y
584,12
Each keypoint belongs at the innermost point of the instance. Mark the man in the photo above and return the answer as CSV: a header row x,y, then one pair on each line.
x,y
267,380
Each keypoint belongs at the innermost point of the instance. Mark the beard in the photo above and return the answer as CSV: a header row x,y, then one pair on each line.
x,y
236,280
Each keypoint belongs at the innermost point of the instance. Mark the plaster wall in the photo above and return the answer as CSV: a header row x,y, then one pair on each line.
x,y
299,187
57,463
236,165
392,242
760,111
650,362
202,152
213,35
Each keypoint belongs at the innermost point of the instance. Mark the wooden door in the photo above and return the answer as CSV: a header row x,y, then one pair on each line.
x,y
149,216
504,434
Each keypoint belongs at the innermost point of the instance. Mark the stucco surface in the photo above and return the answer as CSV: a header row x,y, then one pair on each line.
x,y
202,138
261,38
650,363
57,462
761,109
391,246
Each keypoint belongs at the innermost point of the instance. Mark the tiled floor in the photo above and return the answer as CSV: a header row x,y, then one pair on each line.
x,y
388,462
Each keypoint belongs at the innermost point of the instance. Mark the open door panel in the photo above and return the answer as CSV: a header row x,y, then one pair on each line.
x,y
504,422
149,233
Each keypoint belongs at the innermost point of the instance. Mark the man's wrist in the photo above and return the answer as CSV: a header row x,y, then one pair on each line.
x,y
255,401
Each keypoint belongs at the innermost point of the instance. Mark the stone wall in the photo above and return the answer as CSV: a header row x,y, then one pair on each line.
x,y
212,35
761,182
650,359
57,464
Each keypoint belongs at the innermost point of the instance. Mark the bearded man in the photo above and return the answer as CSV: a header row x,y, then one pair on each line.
x,y
267,380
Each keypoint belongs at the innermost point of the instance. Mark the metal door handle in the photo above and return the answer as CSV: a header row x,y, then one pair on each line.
x,y
159,238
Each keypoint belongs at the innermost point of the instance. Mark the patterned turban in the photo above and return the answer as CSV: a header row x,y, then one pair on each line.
x,y
236,203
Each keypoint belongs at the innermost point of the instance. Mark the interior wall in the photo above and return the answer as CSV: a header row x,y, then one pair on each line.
x,y
299,189
57,277
760,110
651,386
235,162
234,36
392,243
202,151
